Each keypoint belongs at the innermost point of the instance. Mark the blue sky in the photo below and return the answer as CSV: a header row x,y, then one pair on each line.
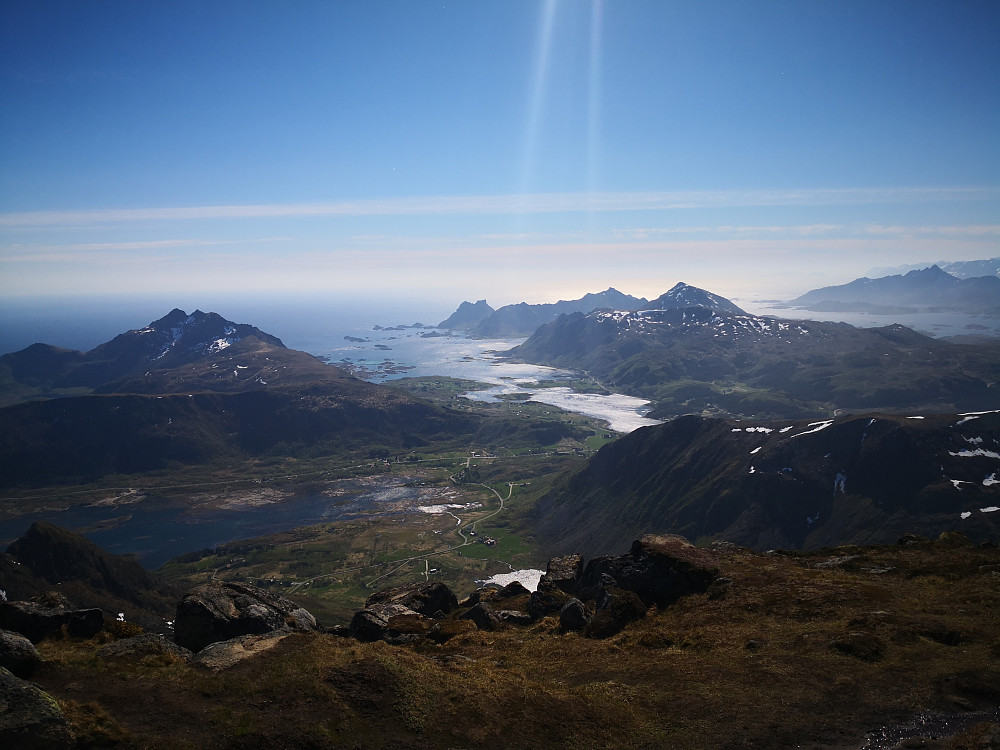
x,y
509,150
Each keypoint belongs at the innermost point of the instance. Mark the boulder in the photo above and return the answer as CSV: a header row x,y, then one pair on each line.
x,y
574,615
224,654
659,569
515,616
219,611
140,646
30,719
46,615
513,590
564,572
425,598
18,654
547,599
393,623
616,608
484,616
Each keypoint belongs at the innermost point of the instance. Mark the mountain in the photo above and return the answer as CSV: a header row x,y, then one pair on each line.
x,y
961,269
788,484
139,356
704,360
192,390
522,319
928,289
683,295
467,316
48,557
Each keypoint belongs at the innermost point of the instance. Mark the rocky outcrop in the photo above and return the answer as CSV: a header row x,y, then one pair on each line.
x,y
47,615
425,598
219,611
485,617
30,719
18,654
659,569
393,623
564,572
616,608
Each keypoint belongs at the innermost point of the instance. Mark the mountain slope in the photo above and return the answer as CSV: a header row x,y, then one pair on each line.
x,y
701,360
928,289
861,480
467,316
48,557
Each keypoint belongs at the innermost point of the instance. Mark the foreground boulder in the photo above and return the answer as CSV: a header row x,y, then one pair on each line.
x,y
659,569
18,654
30,719
219,611
564,572
224,654
143,646
404,613
46,615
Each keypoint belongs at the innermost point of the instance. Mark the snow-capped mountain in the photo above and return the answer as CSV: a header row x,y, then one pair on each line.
x,y
705,360
683,295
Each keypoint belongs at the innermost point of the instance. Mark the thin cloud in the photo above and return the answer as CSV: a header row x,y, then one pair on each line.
x,y
507,205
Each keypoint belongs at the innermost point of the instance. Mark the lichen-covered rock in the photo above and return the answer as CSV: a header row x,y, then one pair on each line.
x,y
564,572
18,654
425,598
574,615
219,611
659,569
224,654
393,623
30,719
140,646
46,615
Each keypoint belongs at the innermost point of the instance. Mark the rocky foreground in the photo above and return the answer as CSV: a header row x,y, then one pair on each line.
x,y
667,645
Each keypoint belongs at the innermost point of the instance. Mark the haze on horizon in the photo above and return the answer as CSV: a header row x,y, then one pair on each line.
x,y
529,150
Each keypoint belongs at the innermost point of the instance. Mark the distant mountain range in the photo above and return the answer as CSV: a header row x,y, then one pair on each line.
x,y
522,319
925,290
783,484
710,357
961,269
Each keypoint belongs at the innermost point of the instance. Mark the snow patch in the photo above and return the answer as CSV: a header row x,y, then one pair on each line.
x,y
991,480
991,509
966,453
816,427
956,483
966,514
756,449
528,578
840,483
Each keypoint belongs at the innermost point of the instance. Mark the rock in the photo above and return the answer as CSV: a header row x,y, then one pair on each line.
x,y
18,654
368,626
660,569
574,615
224,654
514,616
564,572
425,598
219,611
448,629
616,608
30,719
139,646
546,600
46,615
393,623
484,616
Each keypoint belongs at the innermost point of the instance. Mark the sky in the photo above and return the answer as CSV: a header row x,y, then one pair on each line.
x,y
515,150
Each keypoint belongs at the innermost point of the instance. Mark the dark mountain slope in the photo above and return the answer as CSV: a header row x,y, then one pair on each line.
x,y
929,289
50,558
700,360
682,296
783,484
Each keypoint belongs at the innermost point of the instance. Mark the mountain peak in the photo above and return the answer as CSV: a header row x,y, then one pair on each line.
x,y
682,295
